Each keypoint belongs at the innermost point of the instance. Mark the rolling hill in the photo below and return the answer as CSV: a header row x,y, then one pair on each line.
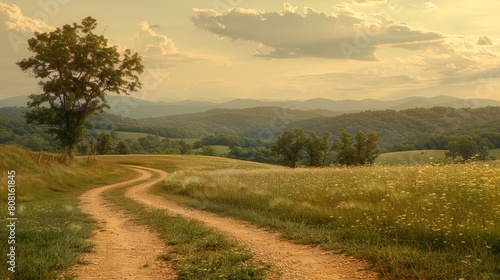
x,y
128,106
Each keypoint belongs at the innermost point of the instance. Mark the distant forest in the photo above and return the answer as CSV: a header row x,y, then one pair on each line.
x,y
411,129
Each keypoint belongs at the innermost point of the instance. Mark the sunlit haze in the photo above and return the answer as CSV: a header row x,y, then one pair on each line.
x,y
213,50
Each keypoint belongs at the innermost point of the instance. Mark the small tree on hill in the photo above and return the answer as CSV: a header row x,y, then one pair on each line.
x,y
76,69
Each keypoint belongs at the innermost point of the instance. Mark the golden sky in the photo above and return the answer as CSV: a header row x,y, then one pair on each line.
x,y
262,49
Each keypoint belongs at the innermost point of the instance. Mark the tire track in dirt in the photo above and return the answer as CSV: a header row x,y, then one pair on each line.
x,y
123,249
289,261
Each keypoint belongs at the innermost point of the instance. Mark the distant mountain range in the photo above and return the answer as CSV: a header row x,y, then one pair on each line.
x,y
127,106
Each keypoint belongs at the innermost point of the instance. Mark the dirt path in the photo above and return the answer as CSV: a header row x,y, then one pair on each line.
x,y
124,250
289,260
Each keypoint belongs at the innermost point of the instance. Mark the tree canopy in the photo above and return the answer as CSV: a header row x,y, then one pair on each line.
x,y
76,69
294,145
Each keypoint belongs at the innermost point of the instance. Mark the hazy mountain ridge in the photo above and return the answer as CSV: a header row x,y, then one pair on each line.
x,y
132,107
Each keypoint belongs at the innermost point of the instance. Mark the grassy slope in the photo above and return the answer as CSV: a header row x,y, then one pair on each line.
x,y
51,232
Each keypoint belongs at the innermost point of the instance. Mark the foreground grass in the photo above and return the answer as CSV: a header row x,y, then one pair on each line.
x,y
51,232
409,222
196,251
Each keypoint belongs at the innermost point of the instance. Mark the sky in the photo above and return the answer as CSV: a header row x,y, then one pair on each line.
x,y
277,50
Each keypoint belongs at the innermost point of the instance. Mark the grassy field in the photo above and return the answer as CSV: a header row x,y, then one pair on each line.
x,y
420,157
409,222
419,221
171,163
412,157
50,230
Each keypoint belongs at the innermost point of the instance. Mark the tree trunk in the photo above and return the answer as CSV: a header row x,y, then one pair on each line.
x,y
70,151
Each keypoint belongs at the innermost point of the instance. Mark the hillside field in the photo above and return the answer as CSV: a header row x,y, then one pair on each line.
x,y
417,221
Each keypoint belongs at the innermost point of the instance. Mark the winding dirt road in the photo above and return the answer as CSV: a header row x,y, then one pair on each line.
x,y
289,260
125,250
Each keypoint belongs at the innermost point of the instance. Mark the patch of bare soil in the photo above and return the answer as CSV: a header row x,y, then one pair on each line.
x,y
289,260
123,249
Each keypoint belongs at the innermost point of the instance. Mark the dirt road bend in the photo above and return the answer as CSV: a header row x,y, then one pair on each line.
x,y
289,260
123,249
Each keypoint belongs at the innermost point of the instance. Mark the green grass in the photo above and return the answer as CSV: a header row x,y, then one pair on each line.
x,y
196,251
495,153
409,222
51,232
412,157
420,157
171,163
220,150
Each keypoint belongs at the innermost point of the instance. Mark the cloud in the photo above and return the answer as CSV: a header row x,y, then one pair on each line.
x,y
368,2
289,34
430,7
485,40
158,48
14,20
150,43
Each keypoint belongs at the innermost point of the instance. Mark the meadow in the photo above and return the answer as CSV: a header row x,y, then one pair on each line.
x,y
51,231
418,221
429,221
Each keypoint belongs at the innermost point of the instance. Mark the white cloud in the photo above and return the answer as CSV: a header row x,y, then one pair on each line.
x,y
150,43
345,34
159,49
14,20
368,2
430,7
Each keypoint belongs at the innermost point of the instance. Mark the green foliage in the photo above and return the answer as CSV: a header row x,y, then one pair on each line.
x,y
347,153
289,147
292,146
104,144
317,148
225,140
416,129
123,148
76,69
208,151
468,147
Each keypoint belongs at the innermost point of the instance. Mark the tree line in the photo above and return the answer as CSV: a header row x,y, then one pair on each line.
x,y
294,148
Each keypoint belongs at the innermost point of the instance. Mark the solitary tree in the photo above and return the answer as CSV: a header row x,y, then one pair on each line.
x,y
76,69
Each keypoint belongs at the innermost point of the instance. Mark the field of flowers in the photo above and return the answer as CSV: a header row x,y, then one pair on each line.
x,y
413,222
